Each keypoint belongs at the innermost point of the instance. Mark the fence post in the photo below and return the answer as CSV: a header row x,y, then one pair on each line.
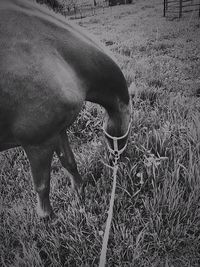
x,y
199,8
180,8
75,10
164,10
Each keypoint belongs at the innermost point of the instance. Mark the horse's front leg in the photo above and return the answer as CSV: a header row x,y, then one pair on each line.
x,y
40,158
67,159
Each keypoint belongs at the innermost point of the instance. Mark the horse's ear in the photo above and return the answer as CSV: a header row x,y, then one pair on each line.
x,y
132,89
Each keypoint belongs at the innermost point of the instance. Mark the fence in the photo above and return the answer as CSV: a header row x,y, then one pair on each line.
x,y
178,7
85,8
81,10
76,9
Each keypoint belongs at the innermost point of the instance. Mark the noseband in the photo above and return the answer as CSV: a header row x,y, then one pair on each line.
x,y
116,152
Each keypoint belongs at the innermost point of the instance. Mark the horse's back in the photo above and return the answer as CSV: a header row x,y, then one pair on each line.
x,y
39,91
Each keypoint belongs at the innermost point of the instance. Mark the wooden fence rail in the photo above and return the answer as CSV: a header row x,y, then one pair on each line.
x,y
180,6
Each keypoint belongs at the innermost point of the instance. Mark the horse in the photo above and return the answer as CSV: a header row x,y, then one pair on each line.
x,y
48,69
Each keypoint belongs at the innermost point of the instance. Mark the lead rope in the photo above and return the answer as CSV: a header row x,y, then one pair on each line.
x,y
110,214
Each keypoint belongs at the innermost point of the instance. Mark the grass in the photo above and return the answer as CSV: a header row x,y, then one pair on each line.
x,y
157,209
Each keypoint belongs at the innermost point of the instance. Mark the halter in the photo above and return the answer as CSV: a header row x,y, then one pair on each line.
x,y
115,151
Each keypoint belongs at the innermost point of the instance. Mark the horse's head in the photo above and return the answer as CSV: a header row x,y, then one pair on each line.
x,y
116,129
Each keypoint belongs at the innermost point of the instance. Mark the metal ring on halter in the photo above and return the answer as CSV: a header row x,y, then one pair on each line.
x,y
116,152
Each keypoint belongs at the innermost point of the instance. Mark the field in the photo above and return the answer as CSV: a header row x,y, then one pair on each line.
x,y
156,220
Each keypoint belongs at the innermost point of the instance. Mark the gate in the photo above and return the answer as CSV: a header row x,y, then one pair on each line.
x,y
178,7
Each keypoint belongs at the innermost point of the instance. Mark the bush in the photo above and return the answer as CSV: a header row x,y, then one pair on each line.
x,y
54,4
119,2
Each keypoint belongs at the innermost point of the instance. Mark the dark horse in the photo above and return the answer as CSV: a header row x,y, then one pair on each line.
x,y
48,68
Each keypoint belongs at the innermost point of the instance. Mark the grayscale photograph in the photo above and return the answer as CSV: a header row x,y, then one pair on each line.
x,y
100,133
